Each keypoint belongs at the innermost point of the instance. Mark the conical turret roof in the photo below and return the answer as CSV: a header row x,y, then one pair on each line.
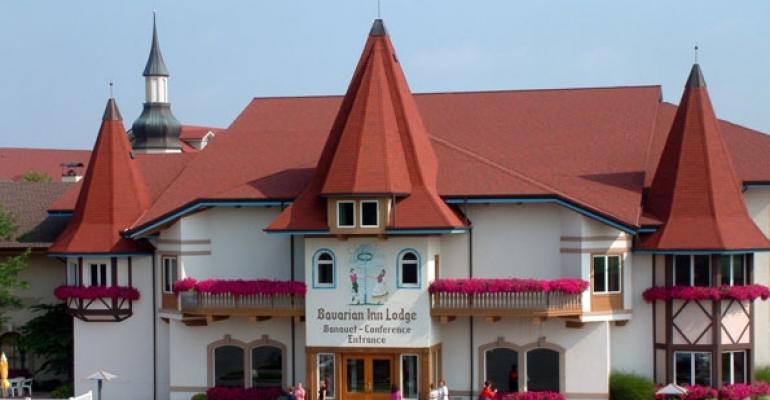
x,y
113,196
696,191
378,145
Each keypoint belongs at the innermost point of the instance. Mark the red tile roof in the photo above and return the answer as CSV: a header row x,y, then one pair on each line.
x,y
112,196
195,132
16,162
378,145
696,191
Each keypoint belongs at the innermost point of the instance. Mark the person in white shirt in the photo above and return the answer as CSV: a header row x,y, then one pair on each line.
x,y
434,393
443,390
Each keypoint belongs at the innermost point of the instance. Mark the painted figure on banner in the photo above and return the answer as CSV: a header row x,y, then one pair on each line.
x,y
368,282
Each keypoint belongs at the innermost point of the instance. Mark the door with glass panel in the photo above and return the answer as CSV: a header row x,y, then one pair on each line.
x,y
367,377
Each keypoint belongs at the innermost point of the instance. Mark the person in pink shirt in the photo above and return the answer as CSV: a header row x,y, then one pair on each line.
x,y
299,392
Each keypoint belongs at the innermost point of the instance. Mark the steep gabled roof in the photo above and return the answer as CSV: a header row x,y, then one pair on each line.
x,y
377,145
696,192
112,197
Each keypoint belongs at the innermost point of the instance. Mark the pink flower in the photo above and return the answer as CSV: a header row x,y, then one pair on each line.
x,y
238,393
508,285
740,292
240,287
95,292
531,396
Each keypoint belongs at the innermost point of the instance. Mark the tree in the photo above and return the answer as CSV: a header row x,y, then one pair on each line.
x,y
36,176
49,335
10,267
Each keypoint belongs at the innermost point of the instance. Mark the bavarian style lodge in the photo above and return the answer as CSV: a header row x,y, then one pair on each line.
x,y
538,239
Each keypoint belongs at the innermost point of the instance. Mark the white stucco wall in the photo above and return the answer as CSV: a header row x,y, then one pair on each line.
x,y
122,348
631,345
758,204
44,274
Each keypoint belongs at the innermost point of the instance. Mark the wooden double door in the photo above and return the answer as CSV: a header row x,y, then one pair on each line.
x,y
368,376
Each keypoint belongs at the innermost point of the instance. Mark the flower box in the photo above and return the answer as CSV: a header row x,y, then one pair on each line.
x,y
237,393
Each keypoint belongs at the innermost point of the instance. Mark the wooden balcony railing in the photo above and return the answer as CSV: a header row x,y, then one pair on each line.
x,y
523,304
255,305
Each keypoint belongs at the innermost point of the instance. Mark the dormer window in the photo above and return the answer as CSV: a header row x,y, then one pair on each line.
x,y
346,215
370,213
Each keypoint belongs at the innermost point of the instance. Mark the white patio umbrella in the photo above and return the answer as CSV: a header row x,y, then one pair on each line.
x,y
672,390
99,376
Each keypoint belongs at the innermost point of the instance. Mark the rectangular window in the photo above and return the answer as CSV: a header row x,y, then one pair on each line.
x,y
733,269
98,274
692,368
692,270
734,367
409,376
607,274
72,274
346,216
326,373
170,274
370,213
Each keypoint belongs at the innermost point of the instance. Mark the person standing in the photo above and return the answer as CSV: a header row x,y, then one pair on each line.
x,y
395,393
443,390
433,394
299,392
488,393
323,391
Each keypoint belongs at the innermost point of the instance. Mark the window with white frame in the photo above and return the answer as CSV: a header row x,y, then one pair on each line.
x,y
692,270
170,274
607,274
346,215
734,269
692,368
734,367
99,275
409,376
324,269
326,373
409,269
370,213
72,274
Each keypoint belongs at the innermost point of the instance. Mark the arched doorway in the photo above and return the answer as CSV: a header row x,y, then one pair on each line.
x,y
502,368
543,370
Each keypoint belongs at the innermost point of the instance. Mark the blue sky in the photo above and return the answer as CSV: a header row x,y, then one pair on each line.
x,y
57,57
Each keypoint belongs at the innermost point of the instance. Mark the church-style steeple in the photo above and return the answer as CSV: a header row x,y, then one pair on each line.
x,y
696,192
112,197
156,130
378,169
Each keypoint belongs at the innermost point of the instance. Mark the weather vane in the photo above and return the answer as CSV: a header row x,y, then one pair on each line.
x,y
111,95
379,10
696,53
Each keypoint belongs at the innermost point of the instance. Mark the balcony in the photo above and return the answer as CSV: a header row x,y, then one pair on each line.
x,y
496,298
98,303
208,301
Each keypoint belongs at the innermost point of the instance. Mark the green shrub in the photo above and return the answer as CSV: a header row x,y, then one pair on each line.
x,y
762,373
628,386
198,396
63,392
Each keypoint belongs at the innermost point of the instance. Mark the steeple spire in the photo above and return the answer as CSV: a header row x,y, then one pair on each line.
x,y
696,193
155,65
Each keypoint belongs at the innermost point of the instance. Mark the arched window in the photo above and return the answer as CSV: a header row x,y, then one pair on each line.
x,y
408,269
323,271
501,366
228,366
266,367
543,370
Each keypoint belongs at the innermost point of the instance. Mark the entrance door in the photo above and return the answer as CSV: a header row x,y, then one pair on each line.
x,y
367,376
